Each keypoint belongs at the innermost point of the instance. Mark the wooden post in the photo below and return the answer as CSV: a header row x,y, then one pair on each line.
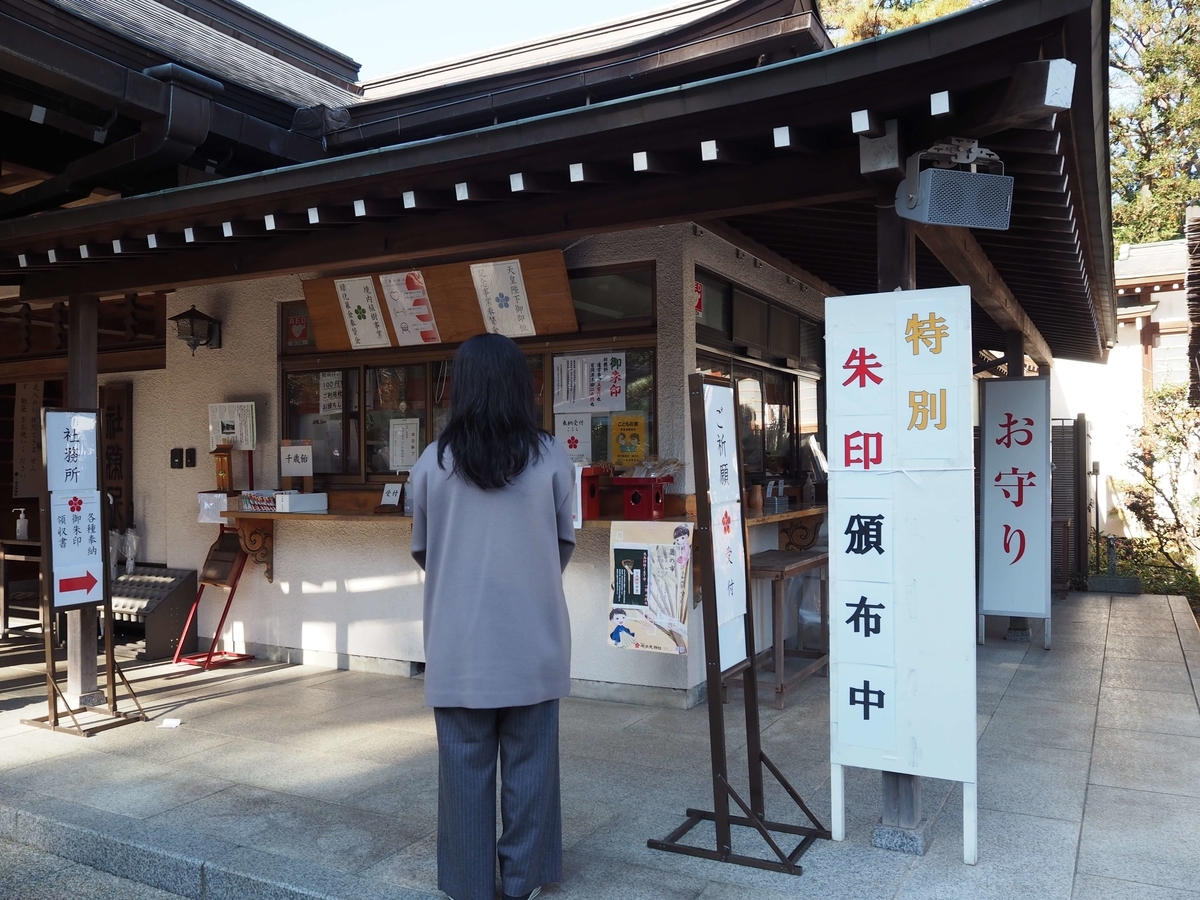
x,y
897,269
82,632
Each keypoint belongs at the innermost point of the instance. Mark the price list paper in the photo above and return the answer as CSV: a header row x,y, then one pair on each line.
x,y
901,535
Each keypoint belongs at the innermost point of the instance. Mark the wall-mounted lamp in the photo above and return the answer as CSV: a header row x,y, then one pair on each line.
x,y
196,329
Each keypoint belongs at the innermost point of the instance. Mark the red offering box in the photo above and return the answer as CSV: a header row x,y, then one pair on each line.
x,y
644,497
590,486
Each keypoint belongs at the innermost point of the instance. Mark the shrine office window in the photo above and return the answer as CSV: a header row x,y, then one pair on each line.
x,y
323,407
736,319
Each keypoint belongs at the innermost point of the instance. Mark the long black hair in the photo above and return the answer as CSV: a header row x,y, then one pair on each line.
x,y
494,428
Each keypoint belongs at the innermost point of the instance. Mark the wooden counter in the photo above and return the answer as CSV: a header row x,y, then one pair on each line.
x,y
798,527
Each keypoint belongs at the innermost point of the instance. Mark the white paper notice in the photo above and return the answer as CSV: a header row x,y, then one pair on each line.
x,y
331,393
232,424
577,505
28,475
724,481
296,461
574,432
391,495
408,304
592,383
502,298
404,447
71,451
360,309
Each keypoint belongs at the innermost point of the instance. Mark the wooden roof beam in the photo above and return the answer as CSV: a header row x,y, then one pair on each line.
x,y
960,253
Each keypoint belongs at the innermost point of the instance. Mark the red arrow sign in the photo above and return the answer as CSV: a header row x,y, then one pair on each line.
x,y
83,583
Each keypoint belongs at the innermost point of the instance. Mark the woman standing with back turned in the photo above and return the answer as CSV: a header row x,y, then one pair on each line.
x,y
492,529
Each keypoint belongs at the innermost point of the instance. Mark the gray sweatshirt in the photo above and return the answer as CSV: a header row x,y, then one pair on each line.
x,y
496,627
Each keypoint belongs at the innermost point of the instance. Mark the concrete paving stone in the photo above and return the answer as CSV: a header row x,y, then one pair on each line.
x,y
1141,837
276,767
80,881
97,780
148,741
414,866
982,720
1138,646
1071,685
585,781
1020,856
1147,675
20,865
1022,720
608,714
719,890
405,713
845,870
247,874
663,751
1033,780
366,684
1163,763
587,878
411,796
334,836
34,745
694,722
1093,887
1141,627
1153,711
376,743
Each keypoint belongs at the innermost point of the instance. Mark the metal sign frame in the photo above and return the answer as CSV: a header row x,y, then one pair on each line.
x,y
753,814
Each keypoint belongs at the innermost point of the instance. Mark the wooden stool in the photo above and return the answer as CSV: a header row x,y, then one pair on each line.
x,y
777,566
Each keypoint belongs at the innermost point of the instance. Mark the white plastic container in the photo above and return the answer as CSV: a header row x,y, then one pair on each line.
x,y
22,525
291,502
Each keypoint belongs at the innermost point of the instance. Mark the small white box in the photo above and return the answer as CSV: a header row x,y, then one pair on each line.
x,y
289,502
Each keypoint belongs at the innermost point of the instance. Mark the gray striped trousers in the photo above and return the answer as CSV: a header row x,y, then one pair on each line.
x,y
530,848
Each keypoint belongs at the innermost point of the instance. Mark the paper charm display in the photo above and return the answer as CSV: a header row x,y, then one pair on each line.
x,y
500,289
651,567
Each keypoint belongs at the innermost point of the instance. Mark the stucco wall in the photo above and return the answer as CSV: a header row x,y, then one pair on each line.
x,y
348,594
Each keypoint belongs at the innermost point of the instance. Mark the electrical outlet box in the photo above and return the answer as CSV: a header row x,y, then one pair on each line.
x,y
189,457
176,457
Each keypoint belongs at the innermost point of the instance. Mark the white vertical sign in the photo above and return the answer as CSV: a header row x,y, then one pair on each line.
x,y
728,529
404,444
1014,483
360,309
500,288
76,524
901,524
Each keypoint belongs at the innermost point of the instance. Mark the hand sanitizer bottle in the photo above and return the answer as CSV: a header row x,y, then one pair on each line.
x,y
22,526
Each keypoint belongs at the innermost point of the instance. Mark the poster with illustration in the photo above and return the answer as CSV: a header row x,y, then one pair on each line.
x,y
651,566
627,434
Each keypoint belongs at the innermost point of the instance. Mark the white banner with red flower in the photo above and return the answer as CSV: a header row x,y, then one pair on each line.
x,y
76,533
574,432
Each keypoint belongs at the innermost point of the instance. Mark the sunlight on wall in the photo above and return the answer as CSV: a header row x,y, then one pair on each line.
x,y
383,582
325,587
285,587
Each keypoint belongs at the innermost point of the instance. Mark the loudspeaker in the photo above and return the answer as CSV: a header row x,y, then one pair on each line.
x,y
957,197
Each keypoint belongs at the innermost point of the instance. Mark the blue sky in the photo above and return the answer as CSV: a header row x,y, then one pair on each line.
x,y
389,37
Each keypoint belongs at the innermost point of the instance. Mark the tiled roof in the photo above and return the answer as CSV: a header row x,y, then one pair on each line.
x,y
196,45
558,48
1142,261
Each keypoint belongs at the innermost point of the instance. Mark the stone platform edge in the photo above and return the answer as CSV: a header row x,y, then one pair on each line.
x,y
185,863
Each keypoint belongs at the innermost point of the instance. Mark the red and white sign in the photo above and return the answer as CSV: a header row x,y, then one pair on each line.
x,y
1014,481
297,331
699,298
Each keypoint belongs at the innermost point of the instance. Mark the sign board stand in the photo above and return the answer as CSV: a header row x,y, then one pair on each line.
x,y
75,554
713,487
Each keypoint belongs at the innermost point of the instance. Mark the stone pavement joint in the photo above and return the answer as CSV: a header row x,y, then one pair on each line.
x,y
297,783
